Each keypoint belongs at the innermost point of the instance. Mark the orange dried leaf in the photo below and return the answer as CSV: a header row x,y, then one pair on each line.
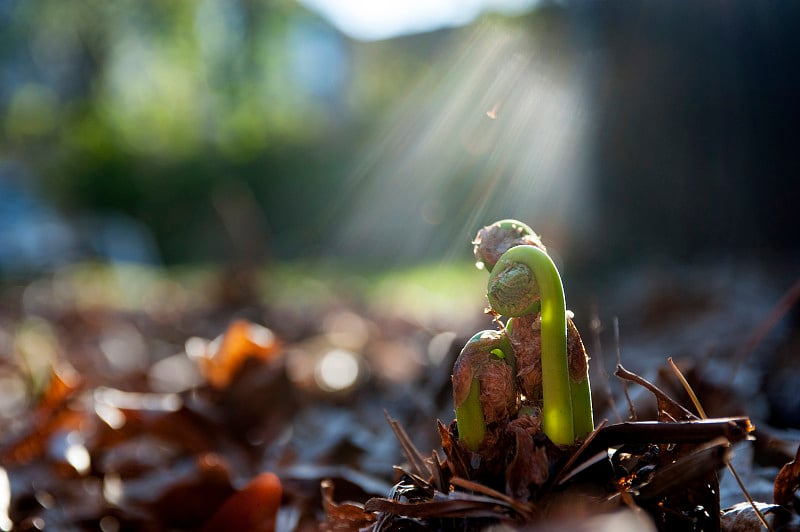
x,y
52,414
241,341
64,380
33,442
254,508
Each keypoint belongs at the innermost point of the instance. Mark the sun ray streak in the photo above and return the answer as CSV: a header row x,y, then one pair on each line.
x,y
440,167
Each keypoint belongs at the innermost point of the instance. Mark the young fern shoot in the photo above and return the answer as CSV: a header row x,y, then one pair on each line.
x,y
523,281
539,345
483,386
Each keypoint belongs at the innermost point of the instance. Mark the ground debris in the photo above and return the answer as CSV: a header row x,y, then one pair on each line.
x,y
787,482
743,518
345,515
664,472
94,442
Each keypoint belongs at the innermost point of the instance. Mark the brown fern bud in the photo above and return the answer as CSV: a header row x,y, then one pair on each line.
x,y
494,240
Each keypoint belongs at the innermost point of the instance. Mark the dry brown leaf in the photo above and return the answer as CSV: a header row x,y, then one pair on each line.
x,y
253,508
530,465
787,482
241,341
51,415
455,504
455,455
342,516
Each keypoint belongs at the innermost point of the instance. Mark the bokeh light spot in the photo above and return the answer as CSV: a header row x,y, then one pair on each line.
x,y
337,370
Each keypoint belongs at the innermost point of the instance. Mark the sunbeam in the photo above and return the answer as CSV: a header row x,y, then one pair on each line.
x,y
498,128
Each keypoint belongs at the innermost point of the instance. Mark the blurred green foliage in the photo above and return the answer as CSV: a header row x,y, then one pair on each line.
x,y
187,115
249,129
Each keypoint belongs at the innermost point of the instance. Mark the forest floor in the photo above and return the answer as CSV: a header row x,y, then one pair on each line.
x,y
135,400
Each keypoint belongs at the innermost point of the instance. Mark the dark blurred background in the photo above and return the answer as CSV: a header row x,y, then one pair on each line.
x,y
249,131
